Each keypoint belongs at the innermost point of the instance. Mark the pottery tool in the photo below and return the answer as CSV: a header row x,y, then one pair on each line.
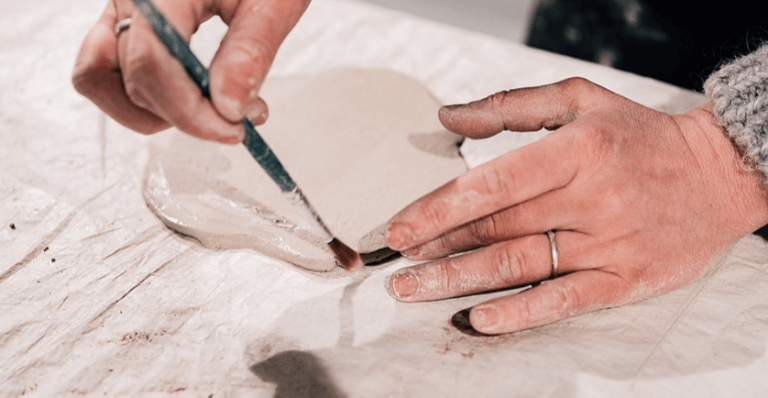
x,y
169,36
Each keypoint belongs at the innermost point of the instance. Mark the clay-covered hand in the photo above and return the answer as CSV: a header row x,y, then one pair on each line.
x,y
131,76
640,202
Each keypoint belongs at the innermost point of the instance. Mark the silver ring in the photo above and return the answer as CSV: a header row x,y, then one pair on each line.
x,y
122,25
553,247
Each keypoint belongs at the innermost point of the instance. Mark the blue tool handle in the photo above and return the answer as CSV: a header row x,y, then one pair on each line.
x,y
175,44
195,69
266,158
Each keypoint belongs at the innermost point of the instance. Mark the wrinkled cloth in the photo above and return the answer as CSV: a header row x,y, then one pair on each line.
x,y
98,298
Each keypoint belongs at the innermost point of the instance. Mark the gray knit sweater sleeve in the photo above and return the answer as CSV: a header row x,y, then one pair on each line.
x,y
739,93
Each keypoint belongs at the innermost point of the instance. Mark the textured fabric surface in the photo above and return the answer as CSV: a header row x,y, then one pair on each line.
x,y
99,299
738,91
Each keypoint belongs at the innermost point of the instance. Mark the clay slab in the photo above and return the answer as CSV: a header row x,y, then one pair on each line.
x,y
361,144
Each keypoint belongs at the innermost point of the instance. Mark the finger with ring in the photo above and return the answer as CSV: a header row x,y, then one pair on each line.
x,y
512,263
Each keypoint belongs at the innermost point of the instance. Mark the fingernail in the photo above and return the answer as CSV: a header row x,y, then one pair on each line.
x,y
399,236
404,284
451,108
228,106
446,111
258,118
232,139
231,136
257,112
484,316
412,253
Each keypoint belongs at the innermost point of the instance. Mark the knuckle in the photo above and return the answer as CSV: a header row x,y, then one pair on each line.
x,y
525,312
82,80
577,92
437,213
87,67
576,86
135,93
432,249
567,299
497,101
496,182
482,230
134,90
249,52
446,281
441,245
257,49
140,71
509,263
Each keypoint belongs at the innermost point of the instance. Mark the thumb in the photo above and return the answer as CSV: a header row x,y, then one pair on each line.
x,y
526,109
256,30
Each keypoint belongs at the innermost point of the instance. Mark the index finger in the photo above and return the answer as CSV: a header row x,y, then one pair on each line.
x,y
520,175
508,180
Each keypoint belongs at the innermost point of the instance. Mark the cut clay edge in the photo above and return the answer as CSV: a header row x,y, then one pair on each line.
x,y
156,195
438,142
373,246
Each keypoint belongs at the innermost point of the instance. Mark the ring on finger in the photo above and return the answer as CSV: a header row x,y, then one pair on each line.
x,y
553,247
122,25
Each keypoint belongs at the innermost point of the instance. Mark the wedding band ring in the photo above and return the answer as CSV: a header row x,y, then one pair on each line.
x,y
553,247
122,25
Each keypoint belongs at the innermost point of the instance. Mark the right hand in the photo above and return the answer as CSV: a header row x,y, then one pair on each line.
x,y
133,78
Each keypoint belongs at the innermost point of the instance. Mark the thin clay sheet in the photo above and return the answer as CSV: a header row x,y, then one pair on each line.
x,y
361,144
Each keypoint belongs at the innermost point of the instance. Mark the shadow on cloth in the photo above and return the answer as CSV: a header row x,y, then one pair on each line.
x,y
720,321
298,374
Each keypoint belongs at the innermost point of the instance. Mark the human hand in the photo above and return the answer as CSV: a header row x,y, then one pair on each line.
x,y
640,202
132,77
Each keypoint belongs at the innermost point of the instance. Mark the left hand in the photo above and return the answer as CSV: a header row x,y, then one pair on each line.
x,y
641,202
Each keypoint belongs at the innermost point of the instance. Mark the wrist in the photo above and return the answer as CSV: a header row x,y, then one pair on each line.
x,y
727,173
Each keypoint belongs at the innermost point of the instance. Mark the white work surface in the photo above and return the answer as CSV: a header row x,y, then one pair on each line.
x,y
98,298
